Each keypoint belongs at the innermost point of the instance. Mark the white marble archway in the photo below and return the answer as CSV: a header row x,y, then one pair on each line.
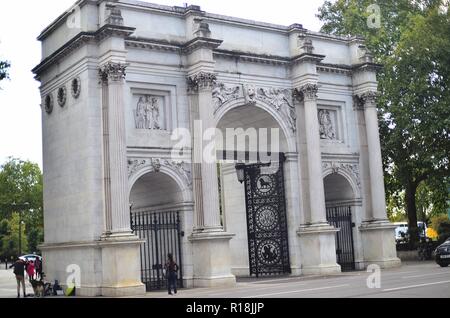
x,y
262,115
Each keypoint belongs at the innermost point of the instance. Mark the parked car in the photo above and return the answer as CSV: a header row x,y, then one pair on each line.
x,y
443,254
30,257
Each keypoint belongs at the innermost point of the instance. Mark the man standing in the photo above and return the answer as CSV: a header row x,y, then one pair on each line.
x,y
19,271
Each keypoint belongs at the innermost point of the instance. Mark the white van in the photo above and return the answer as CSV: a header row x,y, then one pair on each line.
x,y
401,230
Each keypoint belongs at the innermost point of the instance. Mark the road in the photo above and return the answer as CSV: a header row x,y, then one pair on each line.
x,y
412,280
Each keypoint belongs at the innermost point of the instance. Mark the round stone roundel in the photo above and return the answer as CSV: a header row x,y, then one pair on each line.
x,y
269,252
267,218
265,185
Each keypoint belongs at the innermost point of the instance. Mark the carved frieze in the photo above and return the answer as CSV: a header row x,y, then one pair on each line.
x,y
223,93
181,168
278,98
351,169
250,94
281,100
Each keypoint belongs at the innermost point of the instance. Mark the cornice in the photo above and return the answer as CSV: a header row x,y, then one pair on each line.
x,y
75,43
63,18
254,58
200,42
367,67
308,57
81,39
156,45
110,29
334,68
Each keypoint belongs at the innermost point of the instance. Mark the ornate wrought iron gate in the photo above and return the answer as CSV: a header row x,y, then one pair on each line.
x,y
266,222
162,235
341,218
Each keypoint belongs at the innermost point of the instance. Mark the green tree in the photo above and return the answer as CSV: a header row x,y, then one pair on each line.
x,y
21,191
10,237
413,45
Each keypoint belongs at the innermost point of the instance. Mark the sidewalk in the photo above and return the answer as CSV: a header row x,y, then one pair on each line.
x,y
8,284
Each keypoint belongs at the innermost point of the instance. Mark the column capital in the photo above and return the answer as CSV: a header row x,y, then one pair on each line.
x,y
307,92
201,81
366,100
112,72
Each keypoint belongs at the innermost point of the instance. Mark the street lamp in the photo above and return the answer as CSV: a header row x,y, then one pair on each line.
x,y
21,207
240,171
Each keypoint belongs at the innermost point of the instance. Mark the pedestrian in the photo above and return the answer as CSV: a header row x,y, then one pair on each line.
x,y
19,271
171,274
38,268
30,270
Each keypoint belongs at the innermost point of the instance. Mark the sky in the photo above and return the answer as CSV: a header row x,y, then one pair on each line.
x,y
22,22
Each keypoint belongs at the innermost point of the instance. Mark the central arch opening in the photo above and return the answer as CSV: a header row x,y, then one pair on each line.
x,y
252,197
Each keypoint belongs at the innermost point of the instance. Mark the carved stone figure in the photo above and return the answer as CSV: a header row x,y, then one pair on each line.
x,y
147,113
222,94
250,94
281,100
140,114
327,130
155,114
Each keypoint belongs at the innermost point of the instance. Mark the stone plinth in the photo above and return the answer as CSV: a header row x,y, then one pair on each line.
x,y
212,259
379,244
318,246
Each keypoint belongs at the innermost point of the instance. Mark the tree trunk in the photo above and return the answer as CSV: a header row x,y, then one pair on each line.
x,y
411,210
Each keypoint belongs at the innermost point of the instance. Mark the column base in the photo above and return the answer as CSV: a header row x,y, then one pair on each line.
x,y
121,266
318,246
109,267
379,244
212,259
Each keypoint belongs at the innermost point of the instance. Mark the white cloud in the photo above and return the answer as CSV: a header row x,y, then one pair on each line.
x,y
21,23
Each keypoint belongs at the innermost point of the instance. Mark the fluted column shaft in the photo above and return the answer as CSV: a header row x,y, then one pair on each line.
x,y
209,218
368,101
116,192
308,93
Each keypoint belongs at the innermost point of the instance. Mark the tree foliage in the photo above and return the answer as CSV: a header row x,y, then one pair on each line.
x,y
4,67
20,192
9,237
413,45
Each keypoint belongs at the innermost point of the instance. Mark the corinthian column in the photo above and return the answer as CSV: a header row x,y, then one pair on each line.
x,y
368,101
308,93
117,214
202,83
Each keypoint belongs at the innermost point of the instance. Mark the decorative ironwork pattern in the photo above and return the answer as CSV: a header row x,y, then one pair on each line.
x,y
266,222
162,235
341,218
